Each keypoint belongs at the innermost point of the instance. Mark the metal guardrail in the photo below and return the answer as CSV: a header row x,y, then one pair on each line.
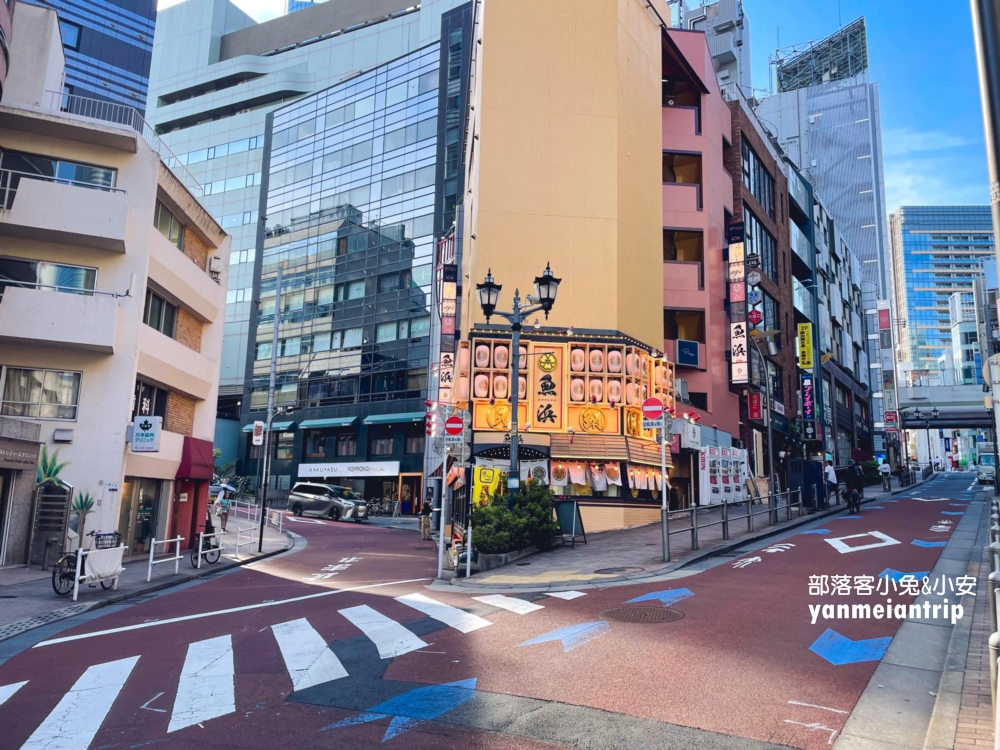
x,y
126,116
252,531
926,471
55,288
993,587
176,559
8,188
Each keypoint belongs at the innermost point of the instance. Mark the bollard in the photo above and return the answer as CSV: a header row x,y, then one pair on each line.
x,y
694,526
995,556
749,513
725,520
994,654
993,582
995,532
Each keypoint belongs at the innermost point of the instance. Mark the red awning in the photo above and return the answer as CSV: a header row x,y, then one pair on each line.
x,y
197,461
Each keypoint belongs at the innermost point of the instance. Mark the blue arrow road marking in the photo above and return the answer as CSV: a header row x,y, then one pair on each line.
x,y
817,531
952,512
889,500
839,650
922,543
414,707
896,575
572,636
875,507
668,598
851,517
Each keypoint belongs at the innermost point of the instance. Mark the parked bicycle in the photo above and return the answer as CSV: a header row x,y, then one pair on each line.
x,y
211,550
65,568
381,507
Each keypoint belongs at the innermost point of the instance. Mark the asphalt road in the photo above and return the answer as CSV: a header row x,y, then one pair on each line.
x,y
341,645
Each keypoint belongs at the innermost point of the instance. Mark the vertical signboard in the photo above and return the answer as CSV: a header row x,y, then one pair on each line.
x,y
547,388
805,346
737,300
756,410
446,378
808,398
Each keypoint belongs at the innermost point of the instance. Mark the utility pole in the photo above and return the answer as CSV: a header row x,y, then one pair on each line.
x,y
270,408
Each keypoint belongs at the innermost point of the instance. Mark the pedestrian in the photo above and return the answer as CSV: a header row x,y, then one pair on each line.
x,y
425,520
831,481
885,471
224,504
855,486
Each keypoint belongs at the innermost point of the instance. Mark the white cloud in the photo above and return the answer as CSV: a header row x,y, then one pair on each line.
x,y
935,181
906,141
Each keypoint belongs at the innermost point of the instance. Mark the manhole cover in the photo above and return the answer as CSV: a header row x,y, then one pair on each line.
x,y
642,615
618,571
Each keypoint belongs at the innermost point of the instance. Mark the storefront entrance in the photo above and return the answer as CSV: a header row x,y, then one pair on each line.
x,y
143,514
410,493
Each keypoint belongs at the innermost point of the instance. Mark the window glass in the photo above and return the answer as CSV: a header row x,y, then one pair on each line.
x,y
70,33
356,290
420,327
385,332
47,276
264,350
321,342
168,224
160,314
352,337
315,444
149,400
347,445
283,449
41,394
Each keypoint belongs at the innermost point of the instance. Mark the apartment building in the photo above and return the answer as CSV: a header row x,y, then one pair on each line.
x,y
113,279
6,14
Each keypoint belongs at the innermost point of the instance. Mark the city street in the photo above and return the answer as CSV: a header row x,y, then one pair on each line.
x,y
341,644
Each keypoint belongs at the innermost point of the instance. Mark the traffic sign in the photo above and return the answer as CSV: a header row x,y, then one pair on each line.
x,y
652,409
652,424
755,316
890,417
454,425
454,439
753,278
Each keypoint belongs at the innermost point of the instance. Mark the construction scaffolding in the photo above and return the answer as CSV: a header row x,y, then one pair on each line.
x,y
841,55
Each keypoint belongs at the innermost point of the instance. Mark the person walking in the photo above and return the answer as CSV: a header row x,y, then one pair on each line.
x,y
885,471
831,482
225,503
855,486
425,521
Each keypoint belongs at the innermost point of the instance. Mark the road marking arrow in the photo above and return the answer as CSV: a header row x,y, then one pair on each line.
x,y
572,636
668,598
839,650
922,543
817,531
952,512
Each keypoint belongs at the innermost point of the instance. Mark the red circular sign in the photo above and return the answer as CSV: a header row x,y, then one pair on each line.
x,y
755,316
652,408
454,426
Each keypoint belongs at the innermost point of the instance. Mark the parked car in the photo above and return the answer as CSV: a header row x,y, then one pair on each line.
x,y
327,500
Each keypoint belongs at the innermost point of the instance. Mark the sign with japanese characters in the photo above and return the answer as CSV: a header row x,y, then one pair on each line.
x,y
808,397
546,388
738,342
146,434
446,377
737,292
805,346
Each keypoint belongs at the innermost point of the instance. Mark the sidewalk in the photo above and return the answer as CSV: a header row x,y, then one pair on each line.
x,y
637,553
29,601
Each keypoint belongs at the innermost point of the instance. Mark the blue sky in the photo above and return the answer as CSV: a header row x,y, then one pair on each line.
x,y
922,56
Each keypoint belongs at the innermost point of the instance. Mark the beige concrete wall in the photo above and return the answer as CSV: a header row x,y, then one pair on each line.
x,y
36,57
566,165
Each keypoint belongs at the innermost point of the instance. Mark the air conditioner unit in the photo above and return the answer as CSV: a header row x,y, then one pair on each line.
x,y
215,266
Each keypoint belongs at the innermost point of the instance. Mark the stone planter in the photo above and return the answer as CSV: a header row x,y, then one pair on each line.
x,y
488,562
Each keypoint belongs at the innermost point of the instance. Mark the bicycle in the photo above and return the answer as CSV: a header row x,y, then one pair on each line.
x,y
211,551
65,569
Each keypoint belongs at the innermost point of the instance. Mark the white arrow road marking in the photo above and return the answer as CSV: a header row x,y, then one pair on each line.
x,y
390,638
566,595
453,617
784,547
307,655
510,603
206,689
150,708
8,690
75,720
813,705
817,727
746,561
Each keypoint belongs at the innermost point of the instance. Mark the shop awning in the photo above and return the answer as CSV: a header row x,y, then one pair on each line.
x,y
197,461
410,416
646,452
335,422
589,447
276,426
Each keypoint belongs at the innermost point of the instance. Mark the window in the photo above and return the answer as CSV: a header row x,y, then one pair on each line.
x,y
688,325
160,314
761,242
41,394
757,179
352,338
70,33
283,446
316,444
48,276
381,441
682,169
149,400
33,166
685,247
420,327
168,225
388,283
414,442
263,350
350,290
347,445
385,332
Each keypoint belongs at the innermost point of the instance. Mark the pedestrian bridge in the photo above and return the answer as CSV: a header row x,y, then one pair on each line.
x,y
958,407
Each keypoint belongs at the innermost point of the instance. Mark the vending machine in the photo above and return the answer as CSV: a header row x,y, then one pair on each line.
x,y
709,463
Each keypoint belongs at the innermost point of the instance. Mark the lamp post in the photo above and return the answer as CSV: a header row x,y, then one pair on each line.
x,y
267,471
546,288
755,337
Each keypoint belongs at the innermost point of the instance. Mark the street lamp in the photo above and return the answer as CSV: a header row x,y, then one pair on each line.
x,y
546,288
772,349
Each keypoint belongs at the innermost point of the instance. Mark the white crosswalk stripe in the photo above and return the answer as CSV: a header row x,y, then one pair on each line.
x,y
206,689
510,603
75,720
566,595
390,638
8,690
307,655
451,616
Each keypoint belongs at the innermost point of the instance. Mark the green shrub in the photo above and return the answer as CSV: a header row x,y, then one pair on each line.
x,y
496,529
869,470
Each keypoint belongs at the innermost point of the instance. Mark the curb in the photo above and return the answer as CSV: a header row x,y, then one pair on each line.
x,y
73,610
674,567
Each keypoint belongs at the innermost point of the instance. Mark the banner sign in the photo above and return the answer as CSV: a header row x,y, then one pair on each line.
x,y
755,408
738,342
734,233
805,346
808,398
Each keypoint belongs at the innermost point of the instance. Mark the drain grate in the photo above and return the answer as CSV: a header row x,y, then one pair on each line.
x,y
618,571
642,615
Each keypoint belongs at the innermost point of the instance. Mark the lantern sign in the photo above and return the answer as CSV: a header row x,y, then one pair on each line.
x,y
753,278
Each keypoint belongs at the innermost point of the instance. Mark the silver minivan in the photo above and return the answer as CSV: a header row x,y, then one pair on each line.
x,y
327,500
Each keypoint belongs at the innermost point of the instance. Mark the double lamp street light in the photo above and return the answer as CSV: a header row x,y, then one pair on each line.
x,y
546,288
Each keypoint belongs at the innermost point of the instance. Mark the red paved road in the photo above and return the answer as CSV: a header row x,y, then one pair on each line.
x,y
731,665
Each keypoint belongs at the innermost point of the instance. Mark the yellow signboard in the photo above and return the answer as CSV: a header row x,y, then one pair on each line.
x,y
547,387
486,481
806,346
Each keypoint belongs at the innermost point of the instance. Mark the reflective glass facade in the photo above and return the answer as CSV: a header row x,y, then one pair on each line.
x,y
108,46
936,252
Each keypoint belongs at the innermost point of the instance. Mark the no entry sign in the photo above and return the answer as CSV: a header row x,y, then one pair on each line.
x,y
454,425
652,408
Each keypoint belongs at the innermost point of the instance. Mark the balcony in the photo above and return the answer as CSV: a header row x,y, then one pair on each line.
x,y
801,245
680,120
160,465
39,317
68,214
168,362
176,274
681,197
682,276
802,298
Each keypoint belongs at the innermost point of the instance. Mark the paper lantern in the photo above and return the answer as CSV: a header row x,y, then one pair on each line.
x,y
463,359
614,361
577,390
500,357
596,389
577,360
615,391
482,386
596,360
522,362
500,386
463,388
522,387
482,356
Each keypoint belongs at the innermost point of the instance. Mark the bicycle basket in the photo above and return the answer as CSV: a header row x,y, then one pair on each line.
x,y
107,541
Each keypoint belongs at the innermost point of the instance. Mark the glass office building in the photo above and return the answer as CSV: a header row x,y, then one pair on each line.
x,y
350,175
108,46
936,251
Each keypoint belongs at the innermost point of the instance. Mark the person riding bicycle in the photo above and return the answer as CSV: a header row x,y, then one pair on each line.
x,y
885,471
855,485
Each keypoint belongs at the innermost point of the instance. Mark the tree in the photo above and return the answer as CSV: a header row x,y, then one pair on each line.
x,y
49,468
